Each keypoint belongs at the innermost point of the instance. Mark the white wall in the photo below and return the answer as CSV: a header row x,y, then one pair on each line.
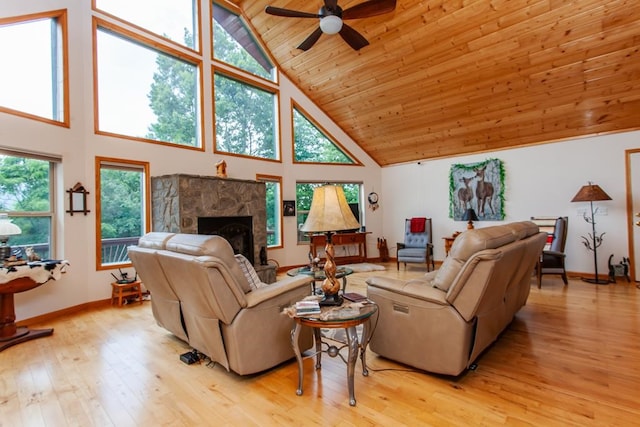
x,y
539,181
79,146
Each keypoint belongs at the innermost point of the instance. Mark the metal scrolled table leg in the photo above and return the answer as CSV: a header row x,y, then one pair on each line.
x,y
352,342
318,338
295,334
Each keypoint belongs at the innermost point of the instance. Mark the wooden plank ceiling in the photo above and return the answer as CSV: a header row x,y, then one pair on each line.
x,y
450,77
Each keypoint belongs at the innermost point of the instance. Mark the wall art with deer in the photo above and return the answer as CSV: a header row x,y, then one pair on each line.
x,y
479,186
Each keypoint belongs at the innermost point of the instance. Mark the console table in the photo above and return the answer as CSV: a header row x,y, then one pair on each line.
x,y
342,239
17,279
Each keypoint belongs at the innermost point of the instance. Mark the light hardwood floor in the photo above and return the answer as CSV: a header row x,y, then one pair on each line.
x,y
571,357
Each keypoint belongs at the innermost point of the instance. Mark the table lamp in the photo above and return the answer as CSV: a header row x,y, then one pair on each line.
x,y
592,193
7,228
329,213
470,216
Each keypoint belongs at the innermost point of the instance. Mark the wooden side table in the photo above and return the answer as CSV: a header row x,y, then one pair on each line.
x,y
448,242
345,317
358,239
120,291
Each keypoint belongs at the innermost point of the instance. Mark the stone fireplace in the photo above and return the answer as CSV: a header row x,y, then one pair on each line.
x,y
180,202
238,230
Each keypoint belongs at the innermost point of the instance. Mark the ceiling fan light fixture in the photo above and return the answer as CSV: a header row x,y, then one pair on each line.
x,y
330,24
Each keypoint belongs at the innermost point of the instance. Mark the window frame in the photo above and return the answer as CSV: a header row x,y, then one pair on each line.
x,y
135,38
54,165
278,206
275,81
61,83
258,84
197,18
295,106
143,166
275,75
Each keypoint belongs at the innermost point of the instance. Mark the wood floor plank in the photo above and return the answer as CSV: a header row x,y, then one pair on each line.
x,y
570,358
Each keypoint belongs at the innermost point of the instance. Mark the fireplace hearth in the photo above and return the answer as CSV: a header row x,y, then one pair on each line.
x,y
238,230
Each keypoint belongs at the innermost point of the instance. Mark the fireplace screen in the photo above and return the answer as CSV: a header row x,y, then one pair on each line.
x,y
238,230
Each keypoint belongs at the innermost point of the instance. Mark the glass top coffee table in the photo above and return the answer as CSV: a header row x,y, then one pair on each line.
x,y
347,316
319,276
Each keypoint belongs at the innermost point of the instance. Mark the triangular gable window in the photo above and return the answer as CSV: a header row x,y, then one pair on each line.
x,y
311,144
234,44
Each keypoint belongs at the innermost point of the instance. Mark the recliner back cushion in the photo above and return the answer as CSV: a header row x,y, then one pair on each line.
x,y
155,240
200,244
467,244
523,229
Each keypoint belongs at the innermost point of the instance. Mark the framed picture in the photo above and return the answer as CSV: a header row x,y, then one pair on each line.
x,y
478,186
289,208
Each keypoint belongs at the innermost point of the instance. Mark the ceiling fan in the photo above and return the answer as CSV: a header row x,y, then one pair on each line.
x,y
331,16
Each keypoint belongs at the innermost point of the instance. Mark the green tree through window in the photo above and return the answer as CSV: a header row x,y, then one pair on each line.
x,y
174,100
237,45
245,118
25,194
122,207
312,145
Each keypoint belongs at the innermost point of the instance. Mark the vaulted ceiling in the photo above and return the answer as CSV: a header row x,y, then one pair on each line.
x,y
450,77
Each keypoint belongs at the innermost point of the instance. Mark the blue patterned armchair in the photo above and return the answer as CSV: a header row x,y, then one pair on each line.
x,y
417,246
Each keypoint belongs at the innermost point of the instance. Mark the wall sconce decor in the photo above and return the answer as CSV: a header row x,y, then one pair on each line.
x,y
289,208
78,199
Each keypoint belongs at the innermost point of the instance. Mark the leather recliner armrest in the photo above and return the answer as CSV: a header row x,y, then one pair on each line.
x,y
418,289
273,290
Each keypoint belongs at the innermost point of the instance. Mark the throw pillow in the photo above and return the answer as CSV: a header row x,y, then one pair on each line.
x,y
249,272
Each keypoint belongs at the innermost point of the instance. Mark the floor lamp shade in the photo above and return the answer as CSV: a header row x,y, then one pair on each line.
x,y
592,193
329,213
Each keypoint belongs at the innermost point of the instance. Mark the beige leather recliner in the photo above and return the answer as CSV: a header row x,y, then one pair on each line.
x,y
200,294
443,321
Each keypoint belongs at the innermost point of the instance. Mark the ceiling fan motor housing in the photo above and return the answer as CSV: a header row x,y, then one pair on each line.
x,y
325,11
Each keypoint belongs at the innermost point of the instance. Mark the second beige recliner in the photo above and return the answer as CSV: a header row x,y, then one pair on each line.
x,y
443,321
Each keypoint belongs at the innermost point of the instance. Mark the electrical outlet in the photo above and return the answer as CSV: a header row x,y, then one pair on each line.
x,y
601,211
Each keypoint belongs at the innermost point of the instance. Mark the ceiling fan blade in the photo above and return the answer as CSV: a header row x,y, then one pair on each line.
x,y
369,8
352,37
311,40
278,11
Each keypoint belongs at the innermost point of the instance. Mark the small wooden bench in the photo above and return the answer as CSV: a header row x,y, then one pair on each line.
x,y
121,291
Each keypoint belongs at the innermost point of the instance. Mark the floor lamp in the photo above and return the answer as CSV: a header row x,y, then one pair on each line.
x,y
592,193
329,213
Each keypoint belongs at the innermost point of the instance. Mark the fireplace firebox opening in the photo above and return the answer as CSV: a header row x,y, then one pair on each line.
x,y
237,230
